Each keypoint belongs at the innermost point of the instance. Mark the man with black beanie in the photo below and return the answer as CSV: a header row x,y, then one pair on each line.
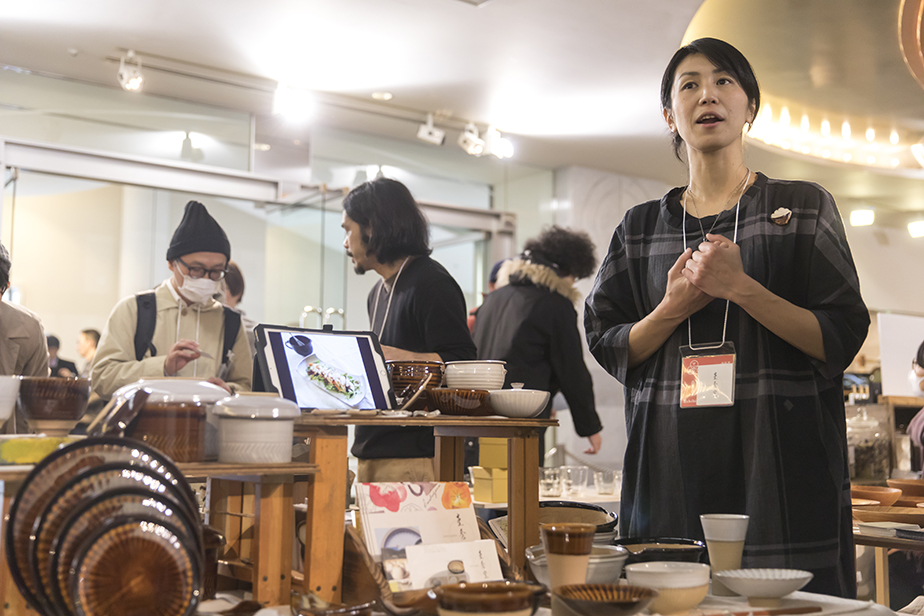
x,y
188,324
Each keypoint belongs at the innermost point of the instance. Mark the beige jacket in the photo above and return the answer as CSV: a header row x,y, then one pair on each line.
x,y
115,364
23,349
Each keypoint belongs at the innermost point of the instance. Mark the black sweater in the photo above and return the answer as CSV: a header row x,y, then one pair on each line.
x,y
427,315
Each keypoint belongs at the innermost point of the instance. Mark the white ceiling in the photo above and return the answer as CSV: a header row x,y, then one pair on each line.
x,y
574,82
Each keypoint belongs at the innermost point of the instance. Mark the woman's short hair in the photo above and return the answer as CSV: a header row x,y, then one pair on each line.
x,y
570,253
725,57
919,358
234,280
387,209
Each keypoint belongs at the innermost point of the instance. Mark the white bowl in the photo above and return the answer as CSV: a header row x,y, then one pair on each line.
x,y
476,374
764,587
663,574
255,429
518,402
9,392
604,567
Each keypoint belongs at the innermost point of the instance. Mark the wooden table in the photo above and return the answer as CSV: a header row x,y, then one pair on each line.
x,y
327,493
273,521
882,546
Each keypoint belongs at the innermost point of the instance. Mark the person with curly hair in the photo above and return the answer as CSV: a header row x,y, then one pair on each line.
x,y
530,322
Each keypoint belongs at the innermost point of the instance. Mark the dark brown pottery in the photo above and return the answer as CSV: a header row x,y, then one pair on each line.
x,y
176,428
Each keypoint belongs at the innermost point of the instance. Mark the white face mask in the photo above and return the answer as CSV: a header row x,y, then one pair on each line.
x,y
198,290
915,381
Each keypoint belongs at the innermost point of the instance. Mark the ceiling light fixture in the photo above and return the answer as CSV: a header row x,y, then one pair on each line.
x,y
382,96
862,217
470,141
496,144
130,76
431,134
916,228
917,150
294,103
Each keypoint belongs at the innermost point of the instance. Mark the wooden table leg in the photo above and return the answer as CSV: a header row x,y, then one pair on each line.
x,y
522,496
274,532
881,567
325,519
450,458
11,600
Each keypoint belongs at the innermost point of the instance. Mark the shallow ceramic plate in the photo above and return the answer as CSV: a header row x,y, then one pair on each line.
x,y
763,587
84,521
136,565
53,472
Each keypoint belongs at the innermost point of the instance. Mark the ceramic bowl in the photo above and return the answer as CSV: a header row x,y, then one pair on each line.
x,y
9,393
460,401
604,567
681,586
557,512
53,405
518,402
764,587
487,598
405,375
647,549
485,374
909,487
255,429
885,496
603,599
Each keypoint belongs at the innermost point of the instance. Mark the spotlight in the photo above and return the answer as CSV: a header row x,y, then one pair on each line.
x,y
862,217
916,228
470,142
431,134
295,104
130,76
917,150
497,145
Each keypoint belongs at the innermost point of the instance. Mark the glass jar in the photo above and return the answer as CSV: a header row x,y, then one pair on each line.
x,y
868,448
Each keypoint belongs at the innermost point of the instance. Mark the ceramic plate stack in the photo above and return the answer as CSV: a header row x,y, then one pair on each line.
x,y
106,526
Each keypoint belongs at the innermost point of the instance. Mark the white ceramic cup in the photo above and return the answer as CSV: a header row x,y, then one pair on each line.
x,y
725,533
9,393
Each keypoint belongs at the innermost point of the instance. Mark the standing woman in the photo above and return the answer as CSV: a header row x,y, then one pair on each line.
x,y
754,270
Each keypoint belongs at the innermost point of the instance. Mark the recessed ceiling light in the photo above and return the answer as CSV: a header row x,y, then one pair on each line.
x,y
382,96
263,147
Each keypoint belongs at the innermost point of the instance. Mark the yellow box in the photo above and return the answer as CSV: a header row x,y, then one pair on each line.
x,y
492,452
490,484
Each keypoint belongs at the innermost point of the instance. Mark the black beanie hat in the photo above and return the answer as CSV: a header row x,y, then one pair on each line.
x,y
198,232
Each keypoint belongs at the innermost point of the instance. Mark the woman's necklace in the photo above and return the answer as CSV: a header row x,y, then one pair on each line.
x,y
737,190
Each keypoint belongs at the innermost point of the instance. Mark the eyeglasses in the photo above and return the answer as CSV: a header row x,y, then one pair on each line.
x,y
201,272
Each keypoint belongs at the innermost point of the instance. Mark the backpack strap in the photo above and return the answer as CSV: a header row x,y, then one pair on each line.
x,y
232,327
147,319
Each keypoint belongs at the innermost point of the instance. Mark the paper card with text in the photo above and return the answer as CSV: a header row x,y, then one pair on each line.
x,y
708,380
451,563
397,515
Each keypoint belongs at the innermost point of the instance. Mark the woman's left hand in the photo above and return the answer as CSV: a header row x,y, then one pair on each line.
x,y
716,268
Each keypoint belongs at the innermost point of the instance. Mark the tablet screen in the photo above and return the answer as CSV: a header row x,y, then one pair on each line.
x,y
320,369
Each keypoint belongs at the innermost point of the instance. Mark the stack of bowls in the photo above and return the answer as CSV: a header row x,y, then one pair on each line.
x,y
53,405
406,376
604,567
103,518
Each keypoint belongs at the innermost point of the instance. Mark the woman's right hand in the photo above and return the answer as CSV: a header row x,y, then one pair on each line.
x,y
682,298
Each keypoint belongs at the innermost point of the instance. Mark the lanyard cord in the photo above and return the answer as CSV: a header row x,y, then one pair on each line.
x,y
391,296
707,347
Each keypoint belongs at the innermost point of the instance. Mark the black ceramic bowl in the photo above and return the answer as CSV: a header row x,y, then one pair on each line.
x,y
551,512
646,549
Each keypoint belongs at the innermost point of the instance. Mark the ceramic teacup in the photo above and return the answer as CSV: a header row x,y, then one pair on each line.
x,y
725,533
567,548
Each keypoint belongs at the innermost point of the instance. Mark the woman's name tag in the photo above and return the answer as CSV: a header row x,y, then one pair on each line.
x,y
707,376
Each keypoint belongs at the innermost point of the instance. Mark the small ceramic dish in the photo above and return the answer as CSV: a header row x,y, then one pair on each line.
x,y
603,599
764,587
518,402
486,597
472,402
885,496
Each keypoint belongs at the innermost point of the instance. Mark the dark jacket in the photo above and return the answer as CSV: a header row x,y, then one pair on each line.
x,y
530,322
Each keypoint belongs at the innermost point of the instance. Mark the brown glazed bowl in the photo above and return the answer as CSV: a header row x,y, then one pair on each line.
x,y
405,375
473,402
647,549
486,597
53,405
604,599
175,428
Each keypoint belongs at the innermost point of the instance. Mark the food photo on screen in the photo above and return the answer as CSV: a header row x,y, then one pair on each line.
x,y
327,372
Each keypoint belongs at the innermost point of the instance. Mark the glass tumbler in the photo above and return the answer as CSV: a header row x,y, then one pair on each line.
x,y
606,481
550,481
573,479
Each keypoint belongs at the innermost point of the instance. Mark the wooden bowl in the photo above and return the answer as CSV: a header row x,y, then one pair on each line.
x,y
473,402
908,501
909,487
885,496
865,502
909,515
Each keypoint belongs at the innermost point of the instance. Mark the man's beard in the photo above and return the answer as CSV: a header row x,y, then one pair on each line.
x,y
359,269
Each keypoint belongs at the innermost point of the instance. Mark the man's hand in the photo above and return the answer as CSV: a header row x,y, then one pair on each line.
x,y
595,442
396,354
179,355
214,380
